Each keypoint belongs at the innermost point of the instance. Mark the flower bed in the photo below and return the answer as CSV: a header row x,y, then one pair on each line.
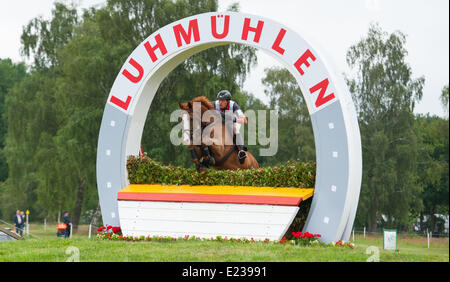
x,y
299,238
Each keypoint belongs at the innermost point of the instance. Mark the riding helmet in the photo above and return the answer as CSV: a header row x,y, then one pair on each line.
x,y
224,94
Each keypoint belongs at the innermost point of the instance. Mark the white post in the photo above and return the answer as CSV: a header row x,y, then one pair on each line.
x,y
428,240
28,228
364,232
353,235
90,227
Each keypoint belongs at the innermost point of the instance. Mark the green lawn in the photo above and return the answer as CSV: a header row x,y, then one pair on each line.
x,y
46,247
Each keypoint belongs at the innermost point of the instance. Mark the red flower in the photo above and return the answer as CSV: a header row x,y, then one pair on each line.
x,y
297,234
109,227
116,229
100,229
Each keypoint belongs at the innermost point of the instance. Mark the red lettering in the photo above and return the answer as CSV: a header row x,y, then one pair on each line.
x,y
303,61
192,30
322,99
226,27
257,30
140,69
159,45
276,44
124,105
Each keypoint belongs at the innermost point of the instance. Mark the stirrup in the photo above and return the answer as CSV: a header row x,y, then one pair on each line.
x,y
241,156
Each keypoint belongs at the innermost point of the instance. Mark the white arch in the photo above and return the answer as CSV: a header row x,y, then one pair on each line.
x,y
333,116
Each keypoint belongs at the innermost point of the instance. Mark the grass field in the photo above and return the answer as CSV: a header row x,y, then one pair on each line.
x,y
44,246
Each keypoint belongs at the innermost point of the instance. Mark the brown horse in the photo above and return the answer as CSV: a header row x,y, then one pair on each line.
x,y
225,155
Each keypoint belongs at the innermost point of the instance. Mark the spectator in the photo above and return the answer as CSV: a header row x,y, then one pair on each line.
x,y
18,223
66,220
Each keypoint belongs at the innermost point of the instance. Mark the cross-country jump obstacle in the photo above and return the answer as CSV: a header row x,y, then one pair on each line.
x,y
237,212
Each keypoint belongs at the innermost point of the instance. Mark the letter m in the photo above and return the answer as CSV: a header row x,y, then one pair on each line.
x,y
192,30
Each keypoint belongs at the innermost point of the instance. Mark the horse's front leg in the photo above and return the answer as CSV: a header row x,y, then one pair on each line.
x,y
207,157
195,159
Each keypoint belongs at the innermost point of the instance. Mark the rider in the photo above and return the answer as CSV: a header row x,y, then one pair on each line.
x,y
224,103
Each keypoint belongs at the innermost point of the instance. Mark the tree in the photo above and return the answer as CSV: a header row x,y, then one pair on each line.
x,y
30,146
385,95
10,74
295,135
52,143
26,121
444,99
432,168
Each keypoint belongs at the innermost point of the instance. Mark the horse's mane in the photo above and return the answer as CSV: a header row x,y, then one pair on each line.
x,y
204,101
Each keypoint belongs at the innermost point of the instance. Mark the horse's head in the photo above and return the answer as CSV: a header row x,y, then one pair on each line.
x,y
200,105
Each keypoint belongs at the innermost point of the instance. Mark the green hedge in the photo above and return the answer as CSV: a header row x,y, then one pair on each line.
x,y
144,170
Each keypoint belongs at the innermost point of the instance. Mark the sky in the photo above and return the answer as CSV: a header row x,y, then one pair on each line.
x,y
333,25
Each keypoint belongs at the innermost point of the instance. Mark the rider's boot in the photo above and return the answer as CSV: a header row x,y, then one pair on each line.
x,y
241,148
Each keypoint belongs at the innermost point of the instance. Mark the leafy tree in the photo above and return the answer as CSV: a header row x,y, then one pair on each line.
x,y
25,121
385,95
51,144
30,146
432,168
295,136
444,99
10,74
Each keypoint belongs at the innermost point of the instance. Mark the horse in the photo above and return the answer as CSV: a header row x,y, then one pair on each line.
x,y
225,155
